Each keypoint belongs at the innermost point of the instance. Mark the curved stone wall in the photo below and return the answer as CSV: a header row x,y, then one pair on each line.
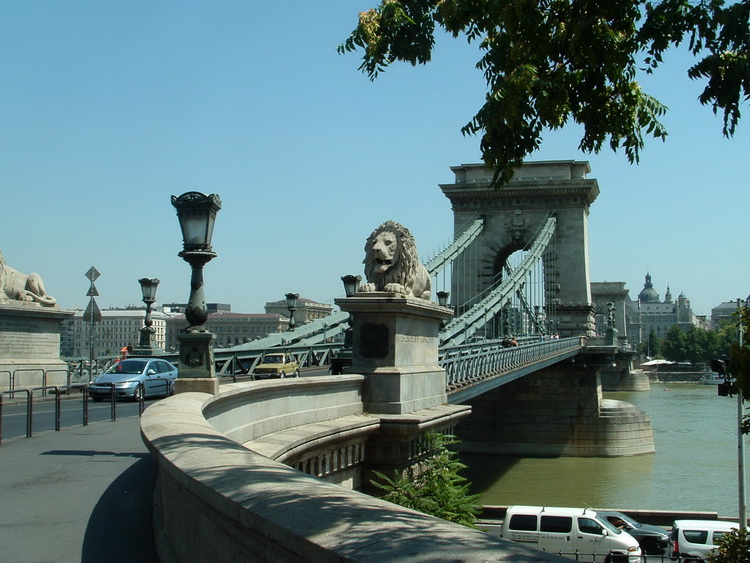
x,y
217,500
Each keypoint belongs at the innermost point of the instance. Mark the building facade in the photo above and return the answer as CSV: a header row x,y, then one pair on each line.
x,y
649,313
117,329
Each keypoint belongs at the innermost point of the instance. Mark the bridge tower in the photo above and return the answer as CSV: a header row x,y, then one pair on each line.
x,y
513,214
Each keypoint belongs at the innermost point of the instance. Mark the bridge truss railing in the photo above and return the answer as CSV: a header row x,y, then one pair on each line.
x,y
462,328
470,364
446,257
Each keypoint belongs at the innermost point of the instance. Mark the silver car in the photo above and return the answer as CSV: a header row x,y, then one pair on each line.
x,y
135,378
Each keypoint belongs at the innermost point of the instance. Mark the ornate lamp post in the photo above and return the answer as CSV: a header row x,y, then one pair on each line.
x,y
344,358
146,345
196,213
291,304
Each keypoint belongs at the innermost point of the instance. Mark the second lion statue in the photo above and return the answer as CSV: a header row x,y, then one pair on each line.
x,y
392,264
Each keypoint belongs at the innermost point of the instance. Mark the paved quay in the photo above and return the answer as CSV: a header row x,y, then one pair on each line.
x,y
81,494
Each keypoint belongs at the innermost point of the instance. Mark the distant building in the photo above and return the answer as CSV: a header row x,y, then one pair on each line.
x,y
118,328
724,312
230,329
307,310
650,313
213,308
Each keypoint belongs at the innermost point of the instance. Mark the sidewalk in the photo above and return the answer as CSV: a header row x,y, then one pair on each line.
x,y
80,494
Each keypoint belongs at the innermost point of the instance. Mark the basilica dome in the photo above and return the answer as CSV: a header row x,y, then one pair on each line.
x,y
648,293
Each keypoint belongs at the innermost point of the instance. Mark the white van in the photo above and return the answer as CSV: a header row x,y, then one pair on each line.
x,y
693,539
577,533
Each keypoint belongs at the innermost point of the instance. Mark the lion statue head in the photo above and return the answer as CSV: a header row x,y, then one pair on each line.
x,y
392,264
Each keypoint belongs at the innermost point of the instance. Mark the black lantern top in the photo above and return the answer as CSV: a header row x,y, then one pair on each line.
x,y
148,288
291,300
443,298
350,284
196,213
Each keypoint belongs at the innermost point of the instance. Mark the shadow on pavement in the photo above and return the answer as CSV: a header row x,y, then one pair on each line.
x,y
120,526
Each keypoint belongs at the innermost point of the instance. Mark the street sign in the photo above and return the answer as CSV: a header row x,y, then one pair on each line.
x,y
92,313
92,274
92,292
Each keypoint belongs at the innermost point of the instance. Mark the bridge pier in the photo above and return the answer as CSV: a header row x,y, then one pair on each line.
x,y
557,411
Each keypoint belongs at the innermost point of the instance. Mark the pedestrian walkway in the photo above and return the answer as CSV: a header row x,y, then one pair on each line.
x,y
84,493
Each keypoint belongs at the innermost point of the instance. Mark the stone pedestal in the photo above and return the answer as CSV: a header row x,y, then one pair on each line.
x,y
195,368
395,345
575,320
30,346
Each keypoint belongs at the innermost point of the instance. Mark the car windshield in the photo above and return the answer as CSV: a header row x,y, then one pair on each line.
x,y
274,360
128,367
617,519
611,527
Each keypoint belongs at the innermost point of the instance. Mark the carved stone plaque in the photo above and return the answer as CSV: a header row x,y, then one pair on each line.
x,y
374,340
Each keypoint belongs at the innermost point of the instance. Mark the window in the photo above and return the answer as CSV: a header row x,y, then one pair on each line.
x,y
559,524
696,536
589,526
524,522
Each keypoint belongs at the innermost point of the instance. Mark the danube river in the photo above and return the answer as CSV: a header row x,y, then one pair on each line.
x,y
694,467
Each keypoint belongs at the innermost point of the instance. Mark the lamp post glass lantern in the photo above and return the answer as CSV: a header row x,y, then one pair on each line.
x,y
351,283
442,297
291,304
196,213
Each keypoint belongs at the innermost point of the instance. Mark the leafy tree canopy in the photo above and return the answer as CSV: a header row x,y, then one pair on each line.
x,y
547,62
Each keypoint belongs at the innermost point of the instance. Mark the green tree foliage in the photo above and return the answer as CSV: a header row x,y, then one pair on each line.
x,y
674,345
548,62
733,547
651,347
435,487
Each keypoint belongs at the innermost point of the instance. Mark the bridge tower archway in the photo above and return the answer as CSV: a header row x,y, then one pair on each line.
x,y
512,216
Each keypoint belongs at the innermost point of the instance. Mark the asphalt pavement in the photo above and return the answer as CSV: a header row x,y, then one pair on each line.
x,y
84,493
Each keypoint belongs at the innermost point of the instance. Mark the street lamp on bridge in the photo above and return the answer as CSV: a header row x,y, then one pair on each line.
x,y
291,304
146,345
196,213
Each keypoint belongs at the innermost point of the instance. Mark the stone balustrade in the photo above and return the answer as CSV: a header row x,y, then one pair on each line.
x,y
219,500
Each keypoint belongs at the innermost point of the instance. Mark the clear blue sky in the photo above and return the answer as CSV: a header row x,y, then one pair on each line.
x,y
109,108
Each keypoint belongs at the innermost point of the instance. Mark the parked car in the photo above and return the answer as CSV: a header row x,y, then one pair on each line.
x,y
691,540
276,364
135,378
652,539
578,533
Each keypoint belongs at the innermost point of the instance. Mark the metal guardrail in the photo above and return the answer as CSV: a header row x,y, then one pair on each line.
x,y
469,364
58,391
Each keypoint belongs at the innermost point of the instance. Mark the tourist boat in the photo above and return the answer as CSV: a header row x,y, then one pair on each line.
x,y
712,379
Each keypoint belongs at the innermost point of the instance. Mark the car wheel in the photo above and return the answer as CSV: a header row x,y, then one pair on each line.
x,y
282,375
296,373
138,395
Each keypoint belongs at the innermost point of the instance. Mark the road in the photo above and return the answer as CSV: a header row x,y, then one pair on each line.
x,y
14,417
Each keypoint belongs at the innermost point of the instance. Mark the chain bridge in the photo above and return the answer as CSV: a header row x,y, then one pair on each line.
x,y
516,370
517,276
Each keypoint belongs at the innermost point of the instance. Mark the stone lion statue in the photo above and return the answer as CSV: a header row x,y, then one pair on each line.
x,y
391,263
23,287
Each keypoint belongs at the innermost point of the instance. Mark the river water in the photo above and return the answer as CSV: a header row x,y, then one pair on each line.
x,y
694,467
